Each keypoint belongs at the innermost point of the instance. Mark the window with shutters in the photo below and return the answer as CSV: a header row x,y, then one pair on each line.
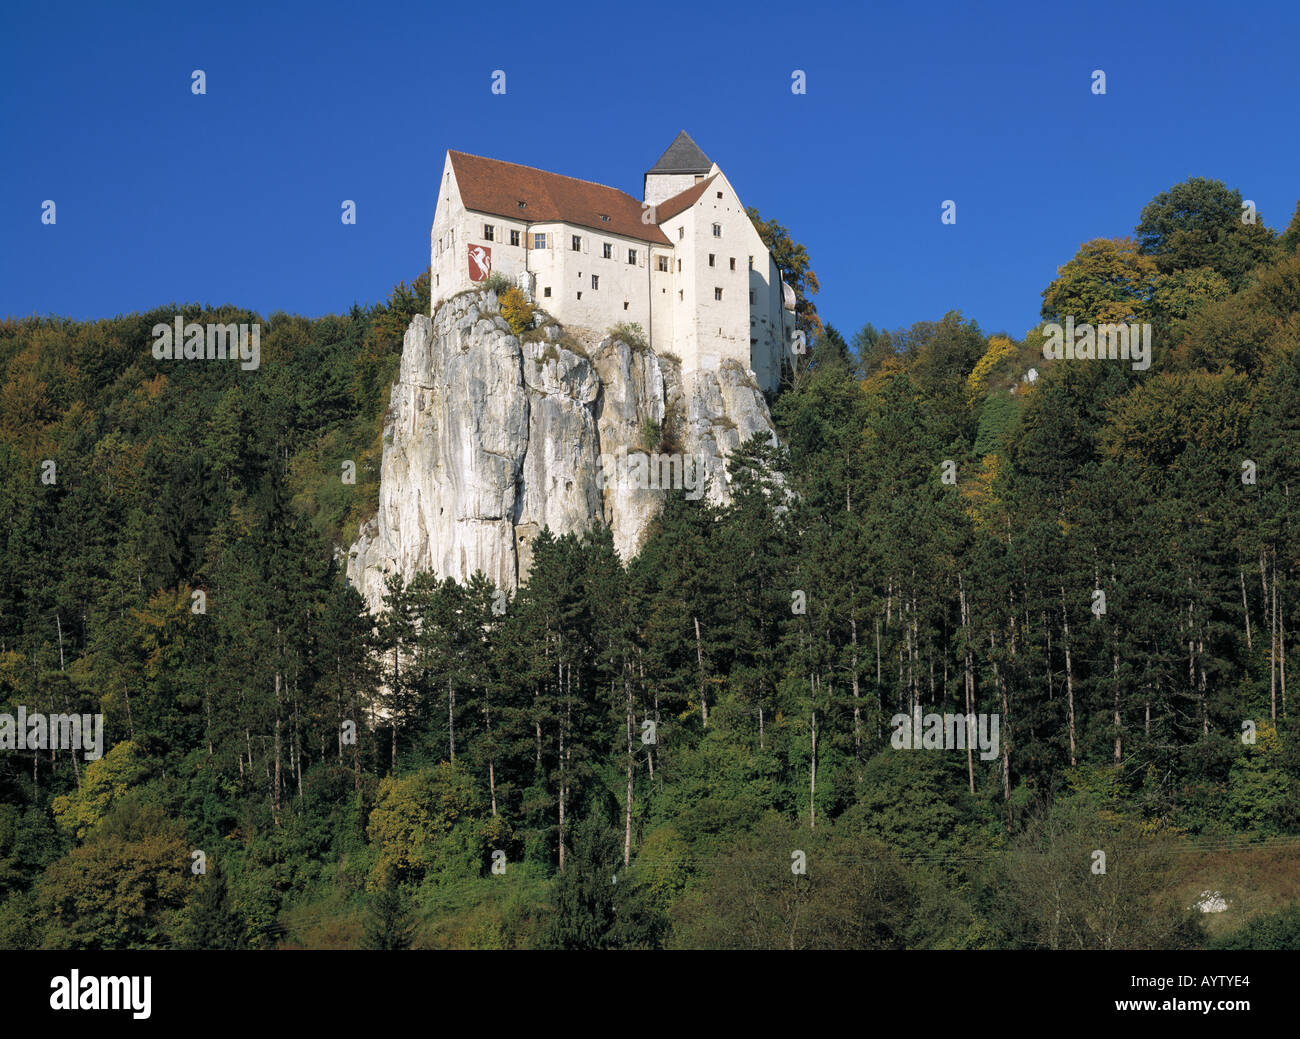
x,y
514,237
539,241
662,264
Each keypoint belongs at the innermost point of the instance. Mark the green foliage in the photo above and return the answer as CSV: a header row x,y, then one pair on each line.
x,y
672,718
427,824
389,924
631,333
1281,930
1199,223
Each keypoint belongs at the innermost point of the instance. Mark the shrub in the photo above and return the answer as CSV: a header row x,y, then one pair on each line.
x,y
497,283
630,333
516,309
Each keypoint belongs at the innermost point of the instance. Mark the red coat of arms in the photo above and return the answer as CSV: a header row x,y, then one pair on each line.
x,y
480,262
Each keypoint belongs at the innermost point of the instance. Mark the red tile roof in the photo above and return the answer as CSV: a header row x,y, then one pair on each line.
x,y
495,187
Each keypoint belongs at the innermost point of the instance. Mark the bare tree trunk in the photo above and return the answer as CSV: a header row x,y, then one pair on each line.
x,y
699,657
969,683
1069,681
631,761
278,679
812,783
1245,606
857,709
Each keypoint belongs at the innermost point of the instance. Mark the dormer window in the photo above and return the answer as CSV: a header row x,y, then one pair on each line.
x,y
523,204
604,218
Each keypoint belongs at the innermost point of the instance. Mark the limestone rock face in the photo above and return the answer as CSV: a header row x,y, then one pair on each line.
x,y
488,439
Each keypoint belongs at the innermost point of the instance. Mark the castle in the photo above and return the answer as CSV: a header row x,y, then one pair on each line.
x,y
686,263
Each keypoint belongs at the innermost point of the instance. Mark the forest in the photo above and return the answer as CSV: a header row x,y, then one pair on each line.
x,y
691,748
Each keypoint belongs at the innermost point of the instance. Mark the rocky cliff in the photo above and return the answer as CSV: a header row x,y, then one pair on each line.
x,y
490,437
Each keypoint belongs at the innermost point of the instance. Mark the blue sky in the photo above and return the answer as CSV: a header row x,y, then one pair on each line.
x,y
234,197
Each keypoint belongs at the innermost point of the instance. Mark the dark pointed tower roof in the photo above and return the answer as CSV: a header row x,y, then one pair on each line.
x,y
682,156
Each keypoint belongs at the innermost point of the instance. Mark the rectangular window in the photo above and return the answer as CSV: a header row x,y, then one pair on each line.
x,y
733,263
608,251
719,194
487,232
717,230
681,295
579,294
751,297
514,237
547,292
710,259
679,266
717,294
577,243
751,263
595,281
625,304
681,231
663,263
539,241
631,256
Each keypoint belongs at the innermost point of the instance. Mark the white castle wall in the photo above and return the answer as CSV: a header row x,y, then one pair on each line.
x,y
678,308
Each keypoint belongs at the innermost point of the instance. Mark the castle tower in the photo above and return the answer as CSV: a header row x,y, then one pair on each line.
x,y
680,167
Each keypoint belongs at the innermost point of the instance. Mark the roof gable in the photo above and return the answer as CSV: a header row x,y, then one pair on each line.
x,y
682,201
495,187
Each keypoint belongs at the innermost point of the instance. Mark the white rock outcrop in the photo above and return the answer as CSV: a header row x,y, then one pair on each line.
x,y
490,438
